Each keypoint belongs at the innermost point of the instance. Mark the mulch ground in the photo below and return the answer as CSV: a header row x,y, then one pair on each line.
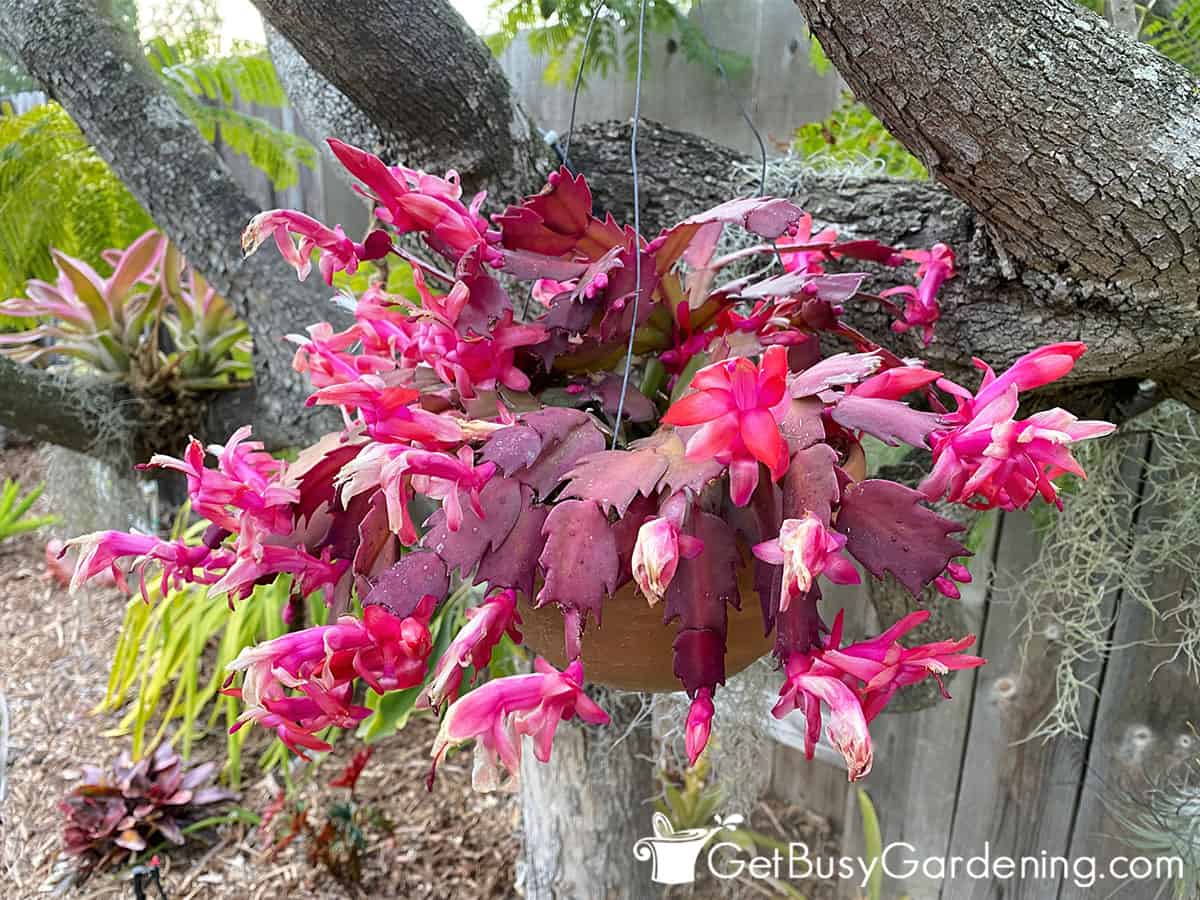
x,y
55,650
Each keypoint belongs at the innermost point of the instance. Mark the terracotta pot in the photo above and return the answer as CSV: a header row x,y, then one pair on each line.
x,y
631,651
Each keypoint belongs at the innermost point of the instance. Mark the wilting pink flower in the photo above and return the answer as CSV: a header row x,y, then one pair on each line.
x,y
303,682
390,413
338,252
256,563
921,306
473,645
656,554
499,713
856,682
247,482
410,200
100,552
740,406
990,459
884,666
847,730
807,547
699,725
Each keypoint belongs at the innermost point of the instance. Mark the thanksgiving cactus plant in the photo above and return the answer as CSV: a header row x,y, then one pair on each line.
x,y
648,413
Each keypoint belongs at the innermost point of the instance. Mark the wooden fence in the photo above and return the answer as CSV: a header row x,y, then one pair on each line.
x,y
961,780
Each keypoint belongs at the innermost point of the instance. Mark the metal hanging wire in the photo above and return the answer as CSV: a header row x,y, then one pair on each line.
x,y
637,219
583,55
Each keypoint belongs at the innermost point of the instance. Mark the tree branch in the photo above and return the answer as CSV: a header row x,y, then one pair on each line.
x,y
1077,144
123,110
432,89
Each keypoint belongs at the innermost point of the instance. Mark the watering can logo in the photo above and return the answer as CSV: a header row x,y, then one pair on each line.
x,y
675,852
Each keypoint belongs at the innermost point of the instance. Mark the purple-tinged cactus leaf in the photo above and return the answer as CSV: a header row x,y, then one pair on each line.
x,y
888,530
581,565
558,457
377,548
462,549
839,369
551,222
682,473
767,217
613,478
513,448
638,407
554,423
514,563
699,658
314,469
811,484
799,627
525,265
703,585
802,425
892,421
401,588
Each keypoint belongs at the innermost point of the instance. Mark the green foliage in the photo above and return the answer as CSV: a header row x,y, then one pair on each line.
x,y
169,664
872,844
556,30
205,89
1177,34
13,508
852,136
56,191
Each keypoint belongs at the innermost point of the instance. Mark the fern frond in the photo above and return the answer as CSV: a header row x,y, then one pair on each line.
x,y
1177,35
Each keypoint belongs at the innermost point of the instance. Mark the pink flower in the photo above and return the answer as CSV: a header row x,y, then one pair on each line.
x,y
324,355
338,252
699,724
740,406
499,713
256,563
389,412
473,645
989,459
248,481
656,554
181,563
856,682
808,261
303,682
415,201
921,308
884,666
807,547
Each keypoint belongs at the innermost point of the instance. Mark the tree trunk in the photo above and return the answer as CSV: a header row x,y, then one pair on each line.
x,y
585,809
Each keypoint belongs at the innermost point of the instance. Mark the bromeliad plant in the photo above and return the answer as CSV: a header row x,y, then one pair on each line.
x,y
721,459
154,322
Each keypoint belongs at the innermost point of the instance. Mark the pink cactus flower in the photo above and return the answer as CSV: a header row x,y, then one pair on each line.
x,y
884,666
257,563
389,412
656,554
921,307
473,645
303,682
990,459
699,725
809,261
410,200
499,713
247,481
739,406
847,729
807,547
180,563
338,252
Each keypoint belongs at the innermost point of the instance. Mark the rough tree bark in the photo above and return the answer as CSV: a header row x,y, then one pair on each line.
x,y
123,110
585,809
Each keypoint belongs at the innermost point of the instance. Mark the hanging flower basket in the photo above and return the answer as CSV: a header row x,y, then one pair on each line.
x,y
649,462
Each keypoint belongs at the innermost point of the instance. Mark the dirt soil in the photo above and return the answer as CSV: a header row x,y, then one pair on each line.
x,y
55,650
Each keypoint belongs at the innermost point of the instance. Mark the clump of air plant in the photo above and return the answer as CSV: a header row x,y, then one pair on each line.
x,y
121,811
